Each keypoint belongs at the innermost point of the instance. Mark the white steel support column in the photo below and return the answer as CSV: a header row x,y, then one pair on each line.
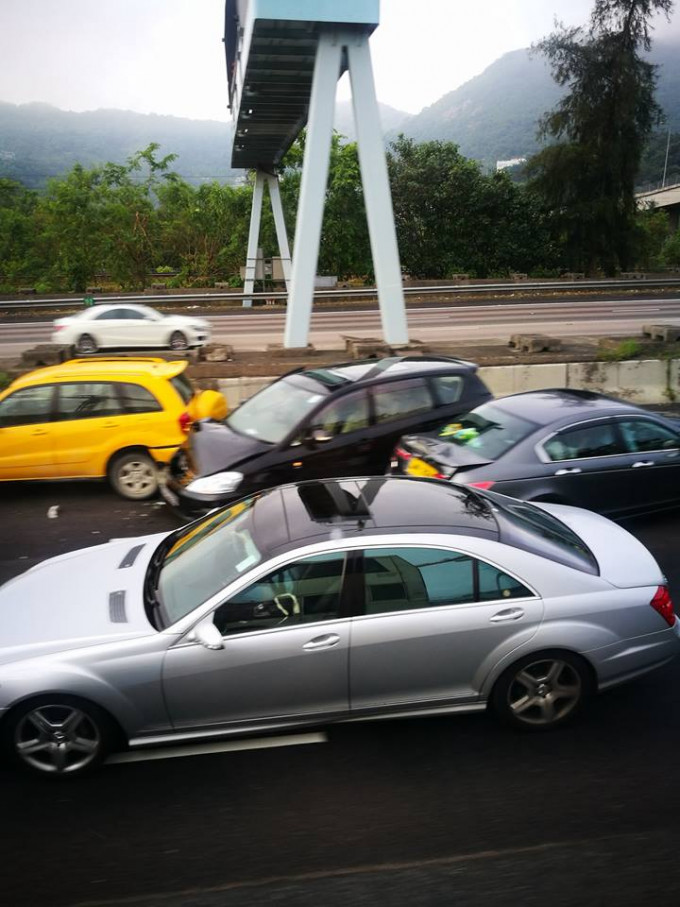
x,y
280,224
313,189
377,195
253,237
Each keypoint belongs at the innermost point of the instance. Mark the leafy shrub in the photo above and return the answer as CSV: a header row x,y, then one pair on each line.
x,y
627,349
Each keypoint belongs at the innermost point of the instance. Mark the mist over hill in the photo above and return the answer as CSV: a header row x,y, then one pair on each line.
x,y
491,117
495,115
38,141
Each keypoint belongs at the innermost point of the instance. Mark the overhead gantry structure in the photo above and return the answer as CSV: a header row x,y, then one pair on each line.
x,y
284,59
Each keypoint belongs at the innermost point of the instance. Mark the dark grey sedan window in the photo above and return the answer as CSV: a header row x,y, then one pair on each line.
x,y
306,591
400,579
584,441
644,435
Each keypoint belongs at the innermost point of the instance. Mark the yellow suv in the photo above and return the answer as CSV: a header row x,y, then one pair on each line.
x,y
116,418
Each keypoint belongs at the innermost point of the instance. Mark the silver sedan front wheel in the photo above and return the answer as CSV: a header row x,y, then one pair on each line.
x,y
542,691
58,737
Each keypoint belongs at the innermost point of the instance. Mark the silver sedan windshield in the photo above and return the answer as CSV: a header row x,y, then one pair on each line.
x,y
206,558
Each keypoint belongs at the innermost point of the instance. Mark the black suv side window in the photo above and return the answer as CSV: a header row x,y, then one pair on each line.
x,y
448,388
398,399
342,415
28,406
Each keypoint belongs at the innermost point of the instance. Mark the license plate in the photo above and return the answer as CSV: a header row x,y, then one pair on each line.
x,y
168,495
418,467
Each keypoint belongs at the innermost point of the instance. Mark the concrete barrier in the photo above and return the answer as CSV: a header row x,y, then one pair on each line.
x,y
646,381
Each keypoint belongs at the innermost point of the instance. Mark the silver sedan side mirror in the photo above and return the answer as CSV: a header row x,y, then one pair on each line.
x,y
207,635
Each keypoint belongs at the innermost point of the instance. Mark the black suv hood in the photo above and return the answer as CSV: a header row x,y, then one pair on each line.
x,y
214,447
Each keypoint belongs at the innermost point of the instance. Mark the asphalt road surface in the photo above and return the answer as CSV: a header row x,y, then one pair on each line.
x,y
491,320
450,811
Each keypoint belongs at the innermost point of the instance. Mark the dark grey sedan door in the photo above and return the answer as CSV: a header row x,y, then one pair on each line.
x,y
654,478
587,466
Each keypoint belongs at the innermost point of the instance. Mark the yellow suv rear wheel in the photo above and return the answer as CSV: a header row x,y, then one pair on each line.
x,y
133,474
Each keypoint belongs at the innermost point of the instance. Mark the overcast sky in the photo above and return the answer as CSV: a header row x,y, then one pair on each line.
x,y
167,56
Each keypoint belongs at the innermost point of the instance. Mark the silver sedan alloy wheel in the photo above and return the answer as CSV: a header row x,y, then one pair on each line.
x,y
544,692
57,739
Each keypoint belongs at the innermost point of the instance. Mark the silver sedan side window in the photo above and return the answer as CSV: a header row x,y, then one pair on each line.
x,y
306,591
401,579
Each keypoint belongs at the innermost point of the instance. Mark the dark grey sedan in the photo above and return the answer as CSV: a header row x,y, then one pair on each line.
x,y
561,446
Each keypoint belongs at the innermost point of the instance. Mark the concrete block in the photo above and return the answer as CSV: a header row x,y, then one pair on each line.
x,y
216,352
534,343
642,381
45,354
236,390
515,379
669,333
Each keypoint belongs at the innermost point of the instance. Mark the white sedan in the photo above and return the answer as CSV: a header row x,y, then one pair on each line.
x,y
125,326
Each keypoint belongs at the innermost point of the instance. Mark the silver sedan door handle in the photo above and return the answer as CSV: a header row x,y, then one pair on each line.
x,y
565,472
322,642
508,614
643,463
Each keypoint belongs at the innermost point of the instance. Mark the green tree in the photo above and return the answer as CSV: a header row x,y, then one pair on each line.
x,y
72,217
601,125
204,231
670,252
651,233
18,259
345,247
451,217
130,224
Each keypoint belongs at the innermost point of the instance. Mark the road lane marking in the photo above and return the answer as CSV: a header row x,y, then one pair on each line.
x,y
224,746
481,856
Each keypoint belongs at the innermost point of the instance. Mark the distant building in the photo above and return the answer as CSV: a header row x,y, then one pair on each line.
x,y
667,198
513,162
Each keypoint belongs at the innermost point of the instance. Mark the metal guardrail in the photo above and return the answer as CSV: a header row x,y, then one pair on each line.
x,y
365,292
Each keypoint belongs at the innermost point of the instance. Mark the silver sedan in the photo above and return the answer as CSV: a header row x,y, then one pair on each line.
x,y
325,601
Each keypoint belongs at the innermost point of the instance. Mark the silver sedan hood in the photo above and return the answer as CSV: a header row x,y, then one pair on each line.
x,y
79,599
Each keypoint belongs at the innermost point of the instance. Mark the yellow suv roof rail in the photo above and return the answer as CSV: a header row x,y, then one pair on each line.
x,y
95,359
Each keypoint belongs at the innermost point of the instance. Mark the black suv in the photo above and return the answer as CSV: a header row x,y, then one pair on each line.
x,y
335,420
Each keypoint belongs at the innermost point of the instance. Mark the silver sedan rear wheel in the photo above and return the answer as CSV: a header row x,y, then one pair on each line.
x,y
59,737
542,690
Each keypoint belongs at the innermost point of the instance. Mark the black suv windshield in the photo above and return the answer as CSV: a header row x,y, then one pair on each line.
x,y
533,529
277,409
